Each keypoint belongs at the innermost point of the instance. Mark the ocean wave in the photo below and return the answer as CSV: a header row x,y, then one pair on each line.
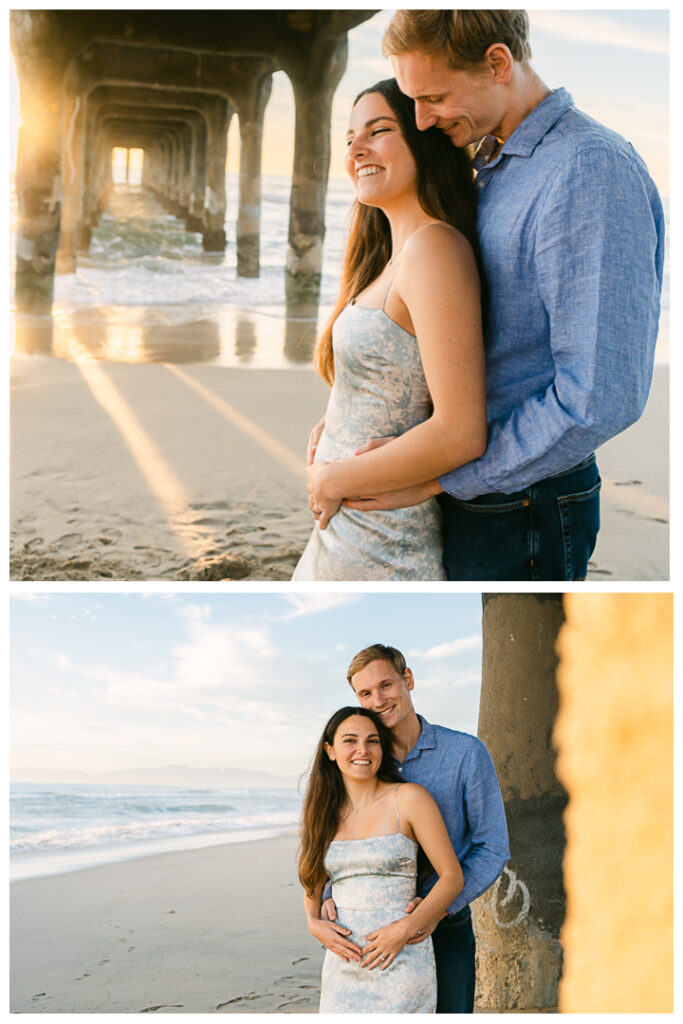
x,y
136,831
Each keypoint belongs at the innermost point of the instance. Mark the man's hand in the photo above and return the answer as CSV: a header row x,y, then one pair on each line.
x,y
313,439
403,498
328,911
424,932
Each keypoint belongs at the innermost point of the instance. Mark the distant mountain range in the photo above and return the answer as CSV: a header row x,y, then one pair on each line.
x,y
170,775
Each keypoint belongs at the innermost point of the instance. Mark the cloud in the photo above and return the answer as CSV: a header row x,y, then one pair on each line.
x,y
312,604
599,30
448,679
463,645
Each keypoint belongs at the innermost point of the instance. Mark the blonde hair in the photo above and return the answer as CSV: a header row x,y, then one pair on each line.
x,y
376,652
461,38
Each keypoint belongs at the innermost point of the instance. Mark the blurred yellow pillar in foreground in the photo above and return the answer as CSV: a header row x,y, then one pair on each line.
x,y
614,734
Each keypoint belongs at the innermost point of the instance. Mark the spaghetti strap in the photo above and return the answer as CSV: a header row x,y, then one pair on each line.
x,y
398,820
386,294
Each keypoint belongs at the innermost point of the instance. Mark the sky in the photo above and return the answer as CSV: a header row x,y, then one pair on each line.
x,y
102,682
614,62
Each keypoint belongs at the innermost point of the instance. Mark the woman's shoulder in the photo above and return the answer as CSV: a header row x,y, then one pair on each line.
x,y
413,794
436,248
436,237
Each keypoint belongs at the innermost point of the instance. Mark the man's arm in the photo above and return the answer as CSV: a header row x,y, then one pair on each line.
x,y
598,263
490,849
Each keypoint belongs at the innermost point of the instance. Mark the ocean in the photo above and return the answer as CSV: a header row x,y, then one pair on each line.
x,y
141,255
145,275
58,828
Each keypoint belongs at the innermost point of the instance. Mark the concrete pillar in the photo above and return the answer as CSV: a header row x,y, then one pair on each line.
x,y
614,733
38,181
219,113
72,178
517,923
194,219
250,112
314,82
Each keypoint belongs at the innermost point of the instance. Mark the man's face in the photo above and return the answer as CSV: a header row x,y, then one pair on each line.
x,y
379,687
465,105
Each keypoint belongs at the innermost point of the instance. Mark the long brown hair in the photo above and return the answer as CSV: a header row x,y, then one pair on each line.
x,y
445,191
325,796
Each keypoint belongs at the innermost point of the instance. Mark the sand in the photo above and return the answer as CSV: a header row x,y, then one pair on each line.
x,y
195,471
219,930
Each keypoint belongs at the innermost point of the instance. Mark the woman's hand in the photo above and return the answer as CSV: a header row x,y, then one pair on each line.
x,y
313,439
384,945
320,503
333,937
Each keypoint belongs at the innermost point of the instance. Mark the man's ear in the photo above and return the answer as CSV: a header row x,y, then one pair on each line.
x,y
329,751
499,62
409,679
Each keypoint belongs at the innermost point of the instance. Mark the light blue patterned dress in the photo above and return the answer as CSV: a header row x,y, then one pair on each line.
x,y
372,881
379,390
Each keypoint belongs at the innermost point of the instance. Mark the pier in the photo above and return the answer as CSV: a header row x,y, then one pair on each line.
x,y
169,83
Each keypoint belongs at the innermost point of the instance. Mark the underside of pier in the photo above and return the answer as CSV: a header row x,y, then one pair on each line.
x,y
168,83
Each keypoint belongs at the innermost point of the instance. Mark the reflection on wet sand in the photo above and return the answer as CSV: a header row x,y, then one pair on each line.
x,y
170,334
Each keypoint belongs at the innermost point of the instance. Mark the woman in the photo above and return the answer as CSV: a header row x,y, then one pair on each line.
x,y
407,357
360,828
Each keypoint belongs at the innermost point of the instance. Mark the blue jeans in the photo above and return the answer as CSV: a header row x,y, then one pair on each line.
x,y
545,532
454,948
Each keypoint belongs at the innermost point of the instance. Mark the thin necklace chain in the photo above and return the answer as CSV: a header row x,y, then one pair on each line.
x,y
361,806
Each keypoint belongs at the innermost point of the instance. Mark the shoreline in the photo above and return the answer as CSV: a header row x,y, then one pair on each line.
x,y
42,864
219,929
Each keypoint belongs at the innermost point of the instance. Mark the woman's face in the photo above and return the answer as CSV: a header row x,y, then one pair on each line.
x,y
356,748
378,159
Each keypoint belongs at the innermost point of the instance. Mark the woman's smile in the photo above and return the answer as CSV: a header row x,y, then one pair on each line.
x,y
377,150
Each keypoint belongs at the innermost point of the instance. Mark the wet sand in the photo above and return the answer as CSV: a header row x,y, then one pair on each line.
x,y
219,930
195,470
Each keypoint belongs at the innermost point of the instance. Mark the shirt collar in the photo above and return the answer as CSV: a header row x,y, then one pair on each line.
x,y
531,131
425,741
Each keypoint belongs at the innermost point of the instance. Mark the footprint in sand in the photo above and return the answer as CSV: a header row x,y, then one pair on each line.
x,y
240,999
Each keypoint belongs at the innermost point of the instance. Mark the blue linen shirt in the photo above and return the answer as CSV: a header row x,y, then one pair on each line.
x,y
571,230
456,768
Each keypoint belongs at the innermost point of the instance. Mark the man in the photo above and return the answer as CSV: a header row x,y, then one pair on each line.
x,y
458,772
571,230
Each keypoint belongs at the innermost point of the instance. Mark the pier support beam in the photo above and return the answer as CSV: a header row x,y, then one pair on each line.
x,y
219,112
517,923
72,178
314,84
250,111
38,178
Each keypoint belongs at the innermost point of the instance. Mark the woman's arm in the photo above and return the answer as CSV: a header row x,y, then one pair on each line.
x,y
329,933
439,285
419,810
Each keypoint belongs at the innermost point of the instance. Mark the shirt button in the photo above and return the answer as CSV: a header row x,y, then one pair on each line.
x,y
481,183
400,769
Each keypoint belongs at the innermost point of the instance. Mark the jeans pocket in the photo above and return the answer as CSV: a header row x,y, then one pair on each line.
x,y
580,520
478,507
